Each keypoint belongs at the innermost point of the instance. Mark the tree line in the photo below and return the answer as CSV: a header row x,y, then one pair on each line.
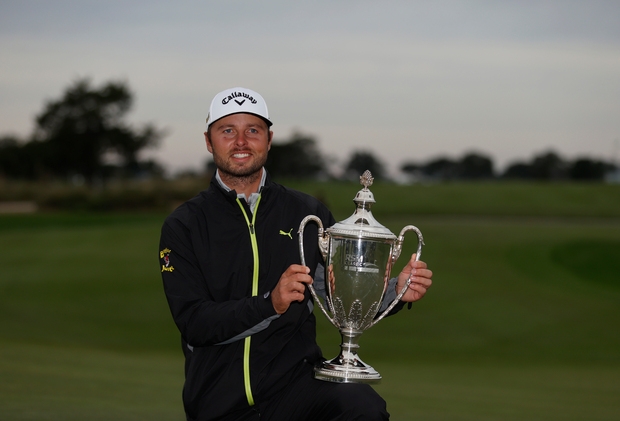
x,y
547,165
84,136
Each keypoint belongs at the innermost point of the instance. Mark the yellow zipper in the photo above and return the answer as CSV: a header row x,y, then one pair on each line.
x,y
246,349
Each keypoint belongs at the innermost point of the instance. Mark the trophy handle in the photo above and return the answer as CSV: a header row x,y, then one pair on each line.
x,y
323,246
398,247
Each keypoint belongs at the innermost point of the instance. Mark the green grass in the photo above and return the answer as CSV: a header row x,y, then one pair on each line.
x,y
484,198
521,322
462,392
56,382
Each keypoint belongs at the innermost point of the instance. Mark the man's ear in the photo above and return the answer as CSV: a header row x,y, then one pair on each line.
x,y
270,139
208,142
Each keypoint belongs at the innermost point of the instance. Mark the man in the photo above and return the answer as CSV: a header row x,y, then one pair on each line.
x,y
237,291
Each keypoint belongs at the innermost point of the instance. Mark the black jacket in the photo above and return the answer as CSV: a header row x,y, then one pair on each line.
x,y
238,350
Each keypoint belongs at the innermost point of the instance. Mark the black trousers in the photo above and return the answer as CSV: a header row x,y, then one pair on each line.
x,y
309,399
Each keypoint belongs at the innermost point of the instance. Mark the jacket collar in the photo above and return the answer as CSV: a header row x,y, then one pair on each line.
x,y
230,194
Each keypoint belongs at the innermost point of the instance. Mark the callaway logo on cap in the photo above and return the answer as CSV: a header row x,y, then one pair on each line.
x,y
237,100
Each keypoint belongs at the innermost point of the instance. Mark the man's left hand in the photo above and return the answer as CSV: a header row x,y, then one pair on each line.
x,y
420,280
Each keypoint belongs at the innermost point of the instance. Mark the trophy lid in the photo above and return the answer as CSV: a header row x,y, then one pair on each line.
x,y
362,224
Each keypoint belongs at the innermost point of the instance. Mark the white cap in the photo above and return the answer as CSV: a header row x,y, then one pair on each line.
x,y
237,100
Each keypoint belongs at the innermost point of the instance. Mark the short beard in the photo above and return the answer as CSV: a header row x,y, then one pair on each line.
x,y
242,175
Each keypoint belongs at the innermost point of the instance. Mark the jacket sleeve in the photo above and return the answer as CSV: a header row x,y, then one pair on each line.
x,y
202,321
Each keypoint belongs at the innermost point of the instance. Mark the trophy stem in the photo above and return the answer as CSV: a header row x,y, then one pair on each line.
x,y
347,367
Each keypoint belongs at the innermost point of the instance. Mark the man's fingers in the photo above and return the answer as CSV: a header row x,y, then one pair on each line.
x,y
298,287
295,280
293,270
414,264
418,264
291,287
422,276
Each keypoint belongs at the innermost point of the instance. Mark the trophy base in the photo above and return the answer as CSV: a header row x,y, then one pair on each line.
x,y
340,371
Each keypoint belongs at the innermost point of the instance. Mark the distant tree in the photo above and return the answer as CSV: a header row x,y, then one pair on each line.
x,y
22,160
11,165
441,169
548,166
86,125
472,166
210,167
588,169
475,166
518,170
412,169
361,161
297,157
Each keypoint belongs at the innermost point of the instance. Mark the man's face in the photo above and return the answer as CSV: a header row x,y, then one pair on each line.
x,y
239,144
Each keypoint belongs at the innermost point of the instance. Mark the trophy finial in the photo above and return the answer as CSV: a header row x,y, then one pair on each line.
x,y
366,179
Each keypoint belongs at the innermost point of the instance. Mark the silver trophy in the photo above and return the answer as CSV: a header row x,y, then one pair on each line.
x,y
359,253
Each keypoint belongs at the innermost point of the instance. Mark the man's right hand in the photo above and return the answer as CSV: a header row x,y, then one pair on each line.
x,y
291,287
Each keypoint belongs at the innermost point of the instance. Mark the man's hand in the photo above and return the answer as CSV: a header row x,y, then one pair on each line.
x,y
291,287
420,280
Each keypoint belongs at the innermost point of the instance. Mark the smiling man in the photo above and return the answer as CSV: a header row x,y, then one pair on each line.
x,y
237,291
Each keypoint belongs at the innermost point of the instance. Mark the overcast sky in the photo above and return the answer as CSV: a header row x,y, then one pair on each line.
x,y
405,80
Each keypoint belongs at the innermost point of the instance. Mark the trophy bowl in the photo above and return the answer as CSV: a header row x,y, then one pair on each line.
x,y
359,253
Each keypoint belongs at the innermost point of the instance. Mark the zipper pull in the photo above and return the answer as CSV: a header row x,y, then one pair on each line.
x,y
252,229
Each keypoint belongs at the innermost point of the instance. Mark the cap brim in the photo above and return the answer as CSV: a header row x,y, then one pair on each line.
x,y
269,123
